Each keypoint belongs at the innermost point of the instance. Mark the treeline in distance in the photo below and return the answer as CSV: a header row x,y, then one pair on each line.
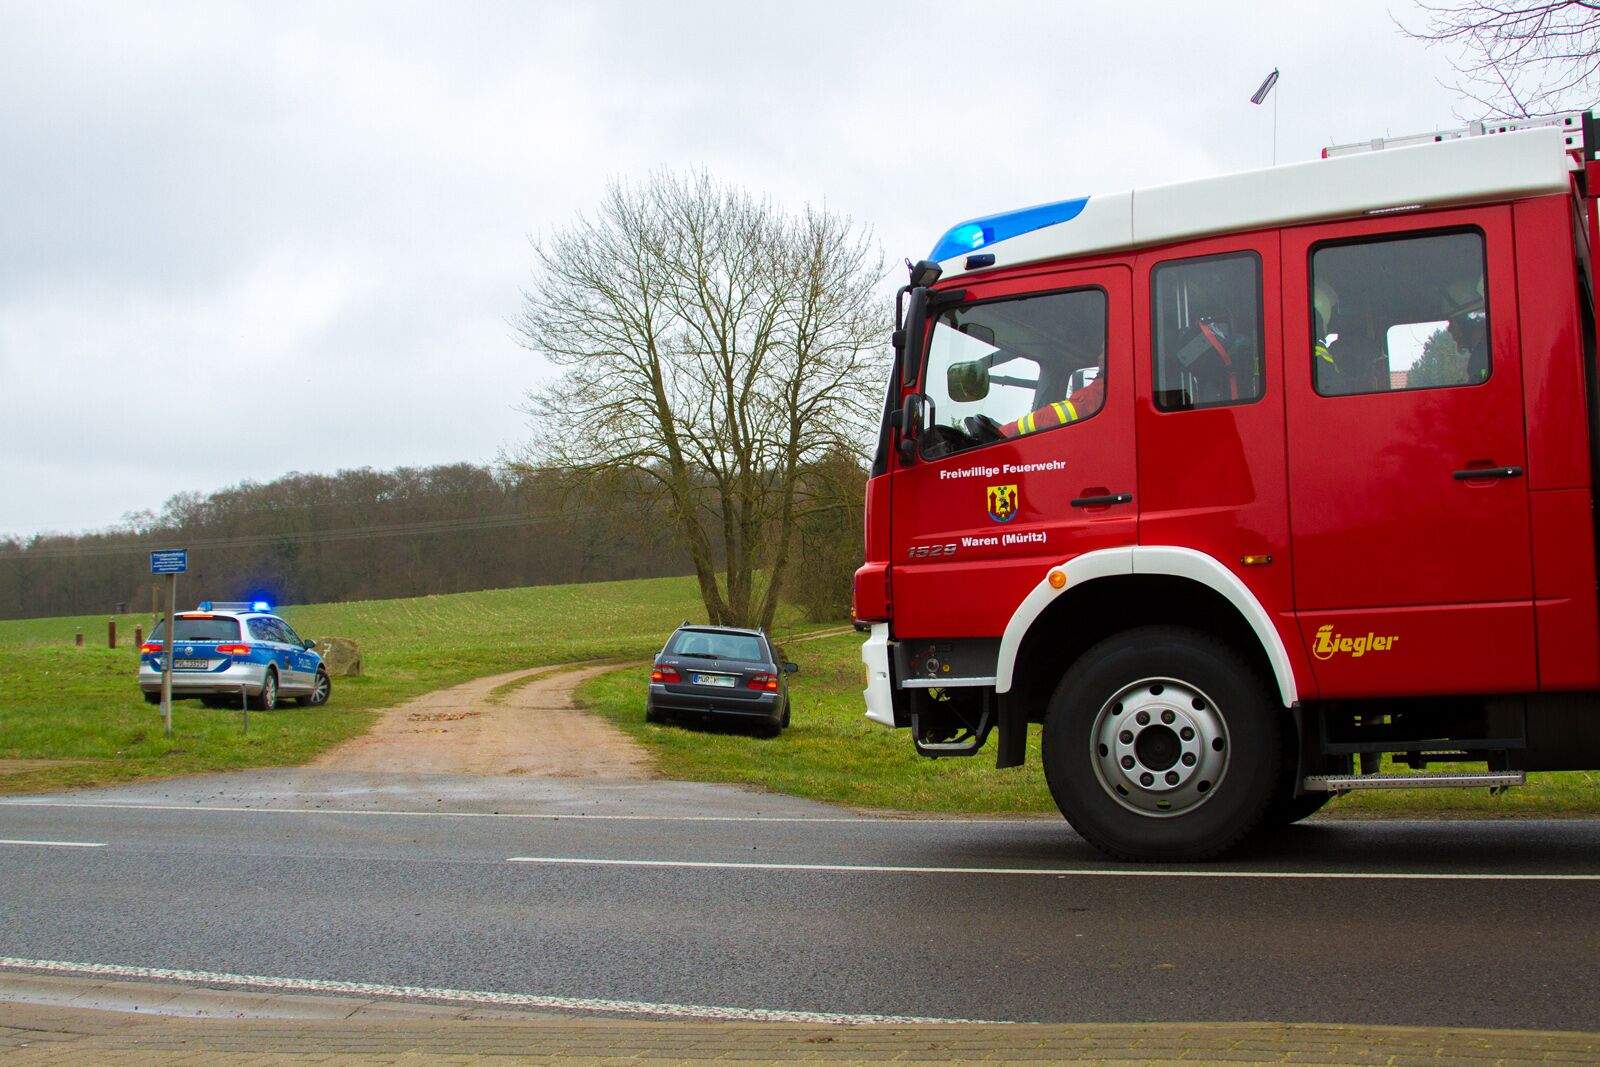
x,y
355,535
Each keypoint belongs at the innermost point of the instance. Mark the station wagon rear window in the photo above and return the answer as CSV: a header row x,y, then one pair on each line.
x,y
722,646
198,628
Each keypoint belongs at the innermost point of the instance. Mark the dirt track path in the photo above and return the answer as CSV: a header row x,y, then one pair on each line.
x,y
535,729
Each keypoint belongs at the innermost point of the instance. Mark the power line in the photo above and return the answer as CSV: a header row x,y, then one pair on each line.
x,y
304,537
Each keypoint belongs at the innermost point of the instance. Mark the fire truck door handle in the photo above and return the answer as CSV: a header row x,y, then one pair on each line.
x,y
1102,501
1487,472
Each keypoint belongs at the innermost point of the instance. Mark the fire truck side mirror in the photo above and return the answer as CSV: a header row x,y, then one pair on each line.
x,y
909,421
967,382
910,346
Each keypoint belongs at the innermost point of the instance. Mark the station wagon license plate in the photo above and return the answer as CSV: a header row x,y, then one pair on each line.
x,y
714,679
191,665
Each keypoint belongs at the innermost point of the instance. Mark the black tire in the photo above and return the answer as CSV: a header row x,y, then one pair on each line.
x,y
1287,812
1202,731
784,725
321,690
152,698
652,715
268,700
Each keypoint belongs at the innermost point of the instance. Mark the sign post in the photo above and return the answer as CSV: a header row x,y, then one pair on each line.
x,y
171,562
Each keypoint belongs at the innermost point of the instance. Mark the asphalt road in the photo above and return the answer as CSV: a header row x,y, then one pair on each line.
x,y
707,897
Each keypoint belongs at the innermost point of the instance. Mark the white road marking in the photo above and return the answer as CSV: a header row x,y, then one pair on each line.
x,y
58,844
472,996
1070,872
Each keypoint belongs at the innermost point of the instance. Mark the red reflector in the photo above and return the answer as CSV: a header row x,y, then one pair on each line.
x,y
234,650
763,681
665,674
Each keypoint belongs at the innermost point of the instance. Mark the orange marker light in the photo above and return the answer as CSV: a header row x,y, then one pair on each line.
x,y
1058,579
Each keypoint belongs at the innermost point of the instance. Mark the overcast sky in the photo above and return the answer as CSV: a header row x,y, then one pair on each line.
x,y
301,229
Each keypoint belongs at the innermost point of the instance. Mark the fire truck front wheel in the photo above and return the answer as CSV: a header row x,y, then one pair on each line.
x,y
1163,744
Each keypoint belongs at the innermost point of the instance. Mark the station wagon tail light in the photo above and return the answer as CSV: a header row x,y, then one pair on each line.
x,y
665,674
767,682
150,649
234,650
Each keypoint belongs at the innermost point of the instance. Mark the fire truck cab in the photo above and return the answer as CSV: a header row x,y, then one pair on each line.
x,y
1240,484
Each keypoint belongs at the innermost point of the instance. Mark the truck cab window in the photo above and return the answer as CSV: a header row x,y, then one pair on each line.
x,y
1399,313
1007,369
1207,332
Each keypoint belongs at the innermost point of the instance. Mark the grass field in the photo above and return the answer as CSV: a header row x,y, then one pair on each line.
x,y
830,751
82,705
81,708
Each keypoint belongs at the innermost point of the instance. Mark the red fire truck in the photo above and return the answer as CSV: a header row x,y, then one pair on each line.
x,y
1241,484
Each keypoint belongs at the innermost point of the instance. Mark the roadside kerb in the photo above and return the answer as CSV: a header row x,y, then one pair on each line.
x,y
46,1022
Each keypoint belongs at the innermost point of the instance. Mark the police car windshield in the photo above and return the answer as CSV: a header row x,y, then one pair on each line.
x,y
719,646
199,628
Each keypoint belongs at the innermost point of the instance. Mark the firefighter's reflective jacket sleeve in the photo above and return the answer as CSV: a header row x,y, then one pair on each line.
x,y
1320,350
1079,405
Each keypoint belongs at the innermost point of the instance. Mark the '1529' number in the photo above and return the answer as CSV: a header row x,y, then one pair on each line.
x,y
925,551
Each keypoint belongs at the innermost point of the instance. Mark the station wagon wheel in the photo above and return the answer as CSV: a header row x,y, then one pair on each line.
x,y
268,700
1163,743
321,689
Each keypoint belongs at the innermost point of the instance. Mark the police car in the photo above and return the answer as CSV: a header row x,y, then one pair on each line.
x,y
226,653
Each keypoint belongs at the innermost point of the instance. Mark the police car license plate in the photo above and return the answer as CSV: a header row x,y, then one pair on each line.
x,y
191,665
714,679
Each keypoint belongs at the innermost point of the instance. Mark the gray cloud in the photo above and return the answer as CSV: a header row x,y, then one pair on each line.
x,y
305,225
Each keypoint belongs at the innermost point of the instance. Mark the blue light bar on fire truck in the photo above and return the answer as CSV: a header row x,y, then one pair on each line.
x,y
991,229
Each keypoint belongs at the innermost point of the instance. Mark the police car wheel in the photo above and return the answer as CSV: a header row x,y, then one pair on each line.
x,y
1163,744
152,698
321,690
268,700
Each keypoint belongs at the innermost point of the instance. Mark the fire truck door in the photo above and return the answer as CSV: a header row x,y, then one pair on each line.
x,y
1026,455
1408,497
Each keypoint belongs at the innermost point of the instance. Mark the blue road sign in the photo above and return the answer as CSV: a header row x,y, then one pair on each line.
x,y
170,561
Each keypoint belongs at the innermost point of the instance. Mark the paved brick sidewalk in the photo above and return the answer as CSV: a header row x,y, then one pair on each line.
x,y
35,1035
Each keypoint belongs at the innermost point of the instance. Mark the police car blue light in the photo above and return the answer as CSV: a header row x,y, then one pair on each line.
x,y
991,229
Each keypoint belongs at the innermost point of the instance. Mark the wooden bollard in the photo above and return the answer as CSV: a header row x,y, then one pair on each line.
x,y
79,640
138,634
111,633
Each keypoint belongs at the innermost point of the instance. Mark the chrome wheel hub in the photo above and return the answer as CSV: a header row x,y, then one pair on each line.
x,y
1160,747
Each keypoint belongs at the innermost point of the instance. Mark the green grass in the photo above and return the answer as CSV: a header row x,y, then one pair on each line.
x,y
830,752
833,753
60,702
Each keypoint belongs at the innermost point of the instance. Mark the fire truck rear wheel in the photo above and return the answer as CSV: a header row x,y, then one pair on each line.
x,y
1162,743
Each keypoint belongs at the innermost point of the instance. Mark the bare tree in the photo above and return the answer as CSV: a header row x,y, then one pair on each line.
x,y
1519,57
710,347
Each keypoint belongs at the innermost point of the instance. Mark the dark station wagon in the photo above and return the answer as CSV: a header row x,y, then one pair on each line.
x,y
720,672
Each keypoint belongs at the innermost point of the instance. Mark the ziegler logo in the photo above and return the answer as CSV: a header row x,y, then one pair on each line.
x,y
1328,643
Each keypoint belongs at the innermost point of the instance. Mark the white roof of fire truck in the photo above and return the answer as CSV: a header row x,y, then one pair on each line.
x,y
1409,173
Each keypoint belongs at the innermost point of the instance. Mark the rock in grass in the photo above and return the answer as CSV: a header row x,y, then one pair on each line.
x,y
340,655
